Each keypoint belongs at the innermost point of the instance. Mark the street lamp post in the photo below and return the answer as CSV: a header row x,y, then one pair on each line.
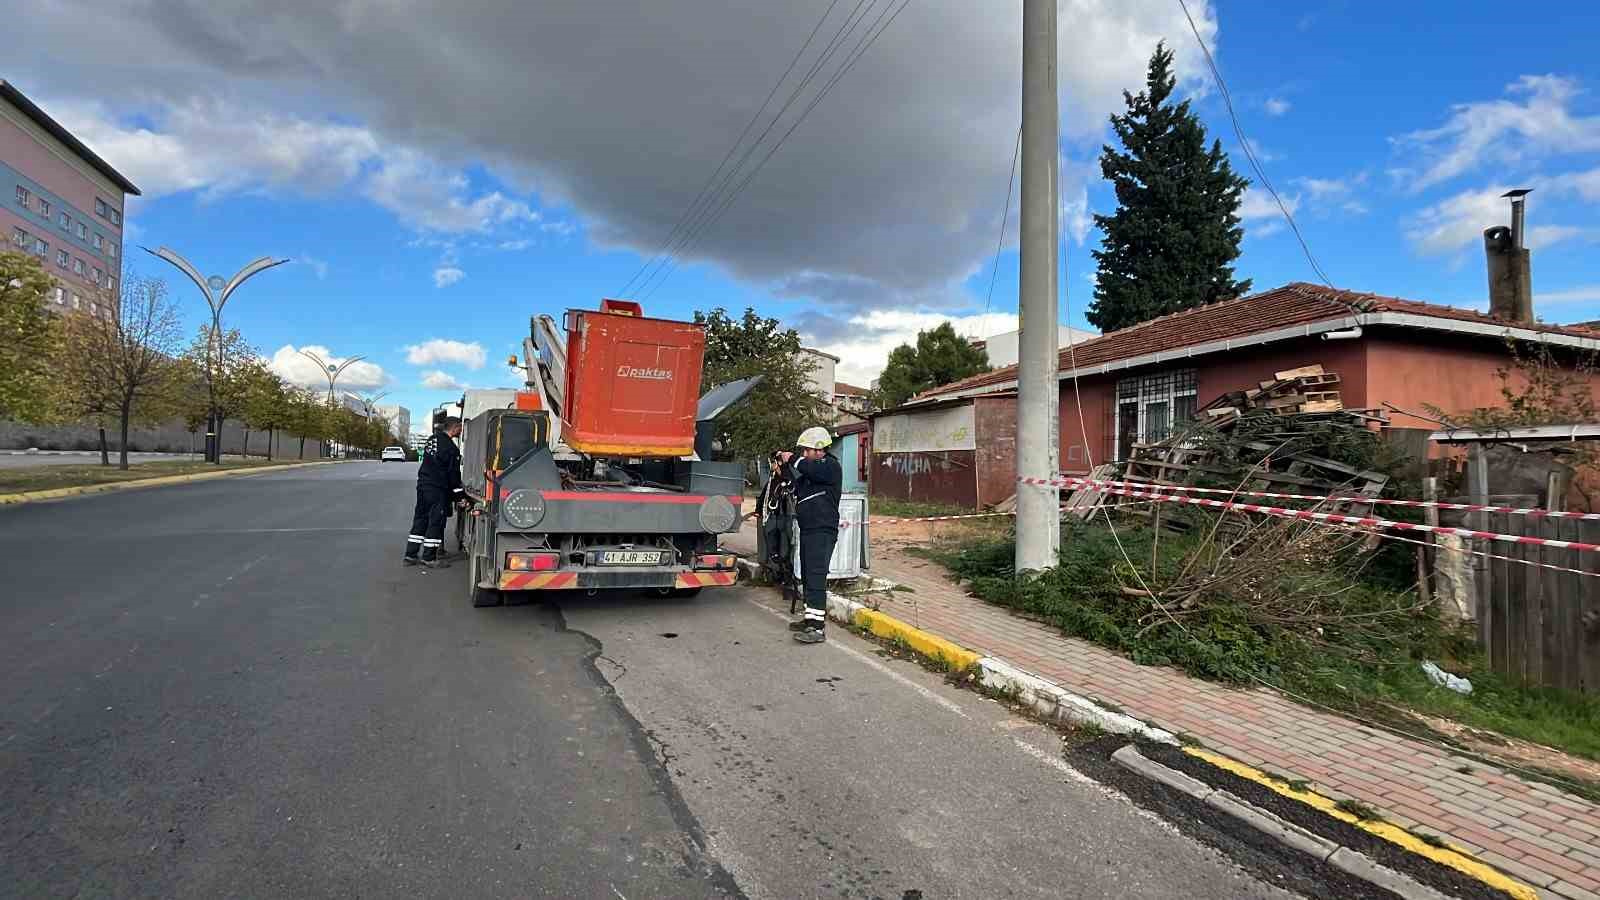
x,y
331,372
217,290
370,403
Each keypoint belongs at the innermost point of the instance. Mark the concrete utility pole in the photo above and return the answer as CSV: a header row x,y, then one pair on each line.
x,y
1038,393
217,290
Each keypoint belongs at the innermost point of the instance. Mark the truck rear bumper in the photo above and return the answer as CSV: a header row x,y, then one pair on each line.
x,y
614,579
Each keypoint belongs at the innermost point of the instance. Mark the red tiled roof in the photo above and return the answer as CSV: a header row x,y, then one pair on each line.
x,y
850,390
1297,303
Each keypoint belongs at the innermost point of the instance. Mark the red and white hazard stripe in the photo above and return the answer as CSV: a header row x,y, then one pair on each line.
x,y
1361,521
1074,482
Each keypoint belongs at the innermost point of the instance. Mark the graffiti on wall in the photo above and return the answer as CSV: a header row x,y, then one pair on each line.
x,y
907,465
934,430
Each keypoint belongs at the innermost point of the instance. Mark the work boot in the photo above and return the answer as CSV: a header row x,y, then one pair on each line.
x,y
437,562
800,624
409,560
810,636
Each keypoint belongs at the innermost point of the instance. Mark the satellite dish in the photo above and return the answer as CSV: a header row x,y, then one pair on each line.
x,y
216,282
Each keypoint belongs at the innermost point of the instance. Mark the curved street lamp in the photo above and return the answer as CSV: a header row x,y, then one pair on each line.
x,y
331,371
217,290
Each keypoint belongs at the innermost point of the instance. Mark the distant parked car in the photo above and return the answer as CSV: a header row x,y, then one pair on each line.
x,y
398,454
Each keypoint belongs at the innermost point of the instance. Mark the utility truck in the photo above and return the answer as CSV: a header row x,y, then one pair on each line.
x,y
600,473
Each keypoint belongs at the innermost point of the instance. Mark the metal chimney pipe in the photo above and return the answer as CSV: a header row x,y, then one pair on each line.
x,y
1517,219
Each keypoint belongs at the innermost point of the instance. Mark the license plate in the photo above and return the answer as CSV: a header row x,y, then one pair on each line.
x,y
631,557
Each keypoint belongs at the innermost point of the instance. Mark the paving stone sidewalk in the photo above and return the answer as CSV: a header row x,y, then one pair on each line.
x,y
1532,831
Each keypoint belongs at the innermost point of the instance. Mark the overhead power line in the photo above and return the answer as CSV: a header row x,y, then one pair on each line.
x,y
1005,216
1250,153
864,43
701,196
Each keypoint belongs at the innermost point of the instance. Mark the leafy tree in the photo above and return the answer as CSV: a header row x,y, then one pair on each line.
x,y
267,404
939,357
1171,243
30,339
122,366
306,416
225,369
782,405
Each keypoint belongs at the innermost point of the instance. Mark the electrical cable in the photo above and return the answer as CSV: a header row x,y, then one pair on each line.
x,y
1249,153
667,260
999,242
694,204
863,45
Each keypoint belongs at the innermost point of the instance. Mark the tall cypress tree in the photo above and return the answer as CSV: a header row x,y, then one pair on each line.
x,y
1171,244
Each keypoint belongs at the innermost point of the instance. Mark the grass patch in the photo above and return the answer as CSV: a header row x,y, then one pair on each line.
x,y
1372,672
1360,810
912,509
45,478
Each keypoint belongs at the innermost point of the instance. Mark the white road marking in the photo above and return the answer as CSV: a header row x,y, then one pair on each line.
x,y
1053,762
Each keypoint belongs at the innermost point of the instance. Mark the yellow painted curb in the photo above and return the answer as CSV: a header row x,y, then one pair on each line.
x,y
1454,857
62,493
929,645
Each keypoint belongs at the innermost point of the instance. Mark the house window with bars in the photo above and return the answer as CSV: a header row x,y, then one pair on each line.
x,y
1152,407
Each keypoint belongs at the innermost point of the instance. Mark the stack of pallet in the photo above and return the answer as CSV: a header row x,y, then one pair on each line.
x,y
1292,402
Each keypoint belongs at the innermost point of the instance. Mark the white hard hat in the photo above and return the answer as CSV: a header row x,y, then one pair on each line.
x,y
815,438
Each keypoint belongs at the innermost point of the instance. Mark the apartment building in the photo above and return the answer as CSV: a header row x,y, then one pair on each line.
x,y
61,202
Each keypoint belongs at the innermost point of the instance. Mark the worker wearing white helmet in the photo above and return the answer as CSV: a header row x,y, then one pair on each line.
x,y
818,480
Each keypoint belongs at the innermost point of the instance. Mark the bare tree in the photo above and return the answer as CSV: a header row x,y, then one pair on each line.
x,y
122,362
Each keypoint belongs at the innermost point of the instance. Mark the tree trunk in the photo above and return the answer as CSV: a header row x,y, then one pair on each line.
x,y
105,455
127,414
272,435
302,446
246,453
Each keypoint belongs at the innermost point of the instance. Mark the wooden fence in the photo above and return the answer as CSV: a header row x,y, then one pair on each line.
x,y
1541,625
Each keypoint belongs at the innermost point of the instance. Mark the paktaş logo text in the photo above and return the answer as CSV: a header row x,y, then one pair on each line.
x,y
649,374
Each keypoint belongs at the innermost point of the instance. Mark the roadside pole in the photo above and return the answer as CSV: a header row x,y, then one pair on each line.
x,y
1038,396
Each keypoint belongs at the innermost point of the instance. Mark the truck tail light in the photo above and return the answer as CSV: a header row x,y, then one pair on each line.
x,y
533,562
714,561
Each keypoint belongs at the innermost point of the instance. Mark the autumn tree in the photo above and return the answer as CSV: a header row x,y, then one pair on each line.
x,y
225,368
939,356
30,339
123,365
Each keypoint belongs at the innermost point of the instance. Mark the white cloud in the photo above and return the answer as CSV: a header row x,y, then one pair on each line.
x,y
1328,195
863,342
1276,106
1504,131
1587,294
440,352
1262,154
444,276
359,89
440,381
1457,222
520,244
1260,213
296,368
319,266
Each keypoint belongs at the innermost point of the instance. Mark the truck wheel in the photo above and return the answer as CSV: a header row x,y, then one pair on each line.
x,y
480,596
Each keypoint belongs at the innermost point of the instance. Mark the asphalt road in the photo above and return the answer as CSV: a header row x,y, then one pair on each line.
x,y
232,688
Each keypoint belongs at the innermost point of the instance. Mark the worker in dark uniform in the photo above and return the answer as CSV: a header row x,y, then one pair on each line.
x,y
438,488
818,480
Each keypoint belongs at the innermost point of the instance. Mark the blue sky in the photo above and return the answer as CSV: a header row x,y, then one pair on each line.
x,y
441,178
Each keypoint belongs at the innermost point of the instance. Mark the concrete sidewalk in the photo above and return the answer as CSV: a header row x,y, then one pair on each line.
x,y
1531,831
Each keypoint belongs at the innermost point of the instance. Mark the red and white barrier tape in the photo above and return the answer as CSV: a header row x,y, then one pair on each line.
x,y
884,520
1363,521
1436,504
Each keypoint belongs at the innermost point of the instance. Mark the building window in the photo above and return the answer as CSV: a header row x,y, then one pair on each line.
x,y
97,278
77,266
99,207
94,308
111,284
116,218
62,258
99,241
1152,407
66,222
83,231
21,238
44,207
77,302
24,198
40,247
58,295
111,249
